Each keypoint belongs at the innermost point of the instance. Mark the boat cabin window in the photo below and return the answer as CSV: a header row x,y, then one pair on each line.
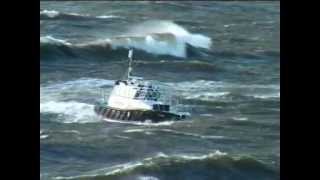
x,y
147,94
118,82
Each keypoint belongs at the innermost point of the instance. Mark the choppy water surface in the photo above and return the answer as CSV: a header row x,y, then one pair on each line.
x,y
221,58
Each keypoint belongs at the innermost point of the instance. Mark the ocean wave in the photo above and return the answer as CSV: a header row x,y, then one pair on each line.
x,y
154,38
219,90
69,90
191,134
216,165
49,13
82,83
73,112
173,132
173,65
53,14
52,40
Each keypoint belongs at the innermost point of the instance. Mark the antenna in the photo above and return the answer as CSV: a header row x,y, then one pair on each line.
x,y
130,61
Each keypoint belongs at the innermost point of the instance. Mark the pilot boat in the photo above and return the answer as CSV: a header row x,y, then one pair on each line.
x,y
134,99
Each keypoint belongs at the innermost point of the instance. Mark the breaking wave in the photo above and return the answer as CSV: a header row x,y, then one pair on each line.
x,y
150,39
73,112
216,165
63,99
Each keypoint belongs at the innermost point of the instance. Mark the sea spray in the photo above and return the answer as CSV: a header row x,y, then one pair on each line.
x,y
153,37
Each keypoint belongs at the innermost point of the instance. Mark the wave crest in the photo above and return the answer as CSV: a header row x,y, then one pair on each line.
x,y
155,37
216,165
53,14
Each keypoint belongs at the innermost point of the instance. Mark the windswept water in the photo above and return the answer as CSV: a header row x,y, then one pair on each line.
x,y
221,58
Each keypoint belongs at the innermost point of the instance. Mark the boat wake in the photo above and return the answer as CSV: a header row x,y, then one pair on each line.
x,y
146,123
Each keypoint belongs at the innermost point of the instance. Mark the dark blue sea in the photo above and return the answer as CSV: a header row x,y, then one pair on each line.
x,y
221,60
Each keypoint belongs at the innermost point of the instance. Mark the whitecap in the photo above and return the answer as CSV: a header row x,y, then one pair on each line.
x,y
74,112
147,178
219,90
164,123
144,162
240,118
50,13
51,40
134,130
192,134
71,131
267,96
156,37
107,16
44,136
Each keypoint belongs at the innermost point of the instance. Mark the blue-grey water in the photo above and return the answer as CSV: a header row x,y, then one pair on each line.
x,y
221,58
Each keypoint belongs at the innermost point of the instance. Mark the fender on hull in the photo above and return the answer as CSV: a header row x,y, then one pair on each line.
x,y
135,115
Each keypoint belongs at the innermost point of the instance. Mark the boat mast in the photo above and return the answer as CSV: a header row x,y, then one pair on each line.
x,y
130,61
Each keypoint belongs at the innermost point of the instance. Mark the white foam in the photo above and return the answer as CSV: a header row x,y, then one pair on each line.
x,y
52,40
204,84
134,130
107,16
147,178
54,13
49,13
192,134
213,90
71,131
217,153
156,37
206,95
164,123
228,25
81,83
267,96
174,46
44,136
175,132
240,118
206,115
77,14
75,112
70,89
